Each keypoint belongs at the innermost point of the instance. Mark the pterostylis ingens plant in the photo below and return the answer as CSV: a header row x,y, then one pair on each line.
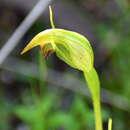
x,y
75,50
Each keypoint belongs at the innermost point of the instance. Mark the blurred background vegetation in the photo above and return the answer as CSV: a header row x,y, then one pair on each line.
x,y
39,94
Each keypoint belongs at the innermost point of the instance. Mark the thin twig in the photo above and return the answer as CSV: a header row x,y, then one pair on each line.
x,y
22,29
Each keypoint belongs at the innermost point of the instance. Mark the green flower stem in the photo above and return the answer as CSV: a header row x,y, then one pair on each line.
x,y
110,124
97,111
93,83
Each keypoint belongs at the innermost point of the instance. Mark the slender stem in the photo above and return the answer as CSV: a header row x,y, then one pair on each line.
x,y
110,124
97,111
94,88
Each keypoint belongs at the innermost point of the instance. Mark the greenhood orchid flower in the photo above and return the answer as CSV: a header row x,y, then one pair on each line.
x,y
75,50
71,47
